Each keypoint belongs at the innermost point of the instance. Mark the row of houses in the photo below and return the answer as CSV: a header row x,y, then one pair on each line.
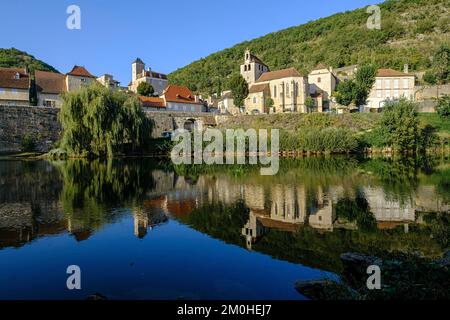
x,y
16,88
287,90
277,91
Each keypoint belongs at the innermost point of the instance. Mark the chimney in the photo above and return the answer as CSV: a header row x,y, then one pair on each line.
x,y
406,68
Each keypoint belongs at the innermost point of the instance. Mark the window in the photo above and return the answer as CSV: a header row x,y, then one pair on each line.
x,y
388,84
319,80
405,84
245,68
192,108
274,91
249,67
17,76
14,91
255,100
396,83
388,93
379,94
396,94
287,89
2,90
379,84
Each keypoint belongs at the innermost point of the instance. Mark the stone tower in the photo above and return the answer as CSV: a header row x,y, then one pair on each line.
x,y
252,68
137,67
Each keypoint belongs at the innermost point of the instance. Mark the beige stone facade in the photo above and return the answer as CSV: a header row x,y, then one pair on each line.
x,y
322,82
139,75
14,86
287,89
252,68
390,85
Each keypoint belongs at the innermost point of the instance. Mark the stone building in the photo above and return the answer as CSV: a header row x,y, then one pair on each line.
x,y
174,98
390,85
286,88
158,80
225,103
108,81
14,86
252,68
77,78
49,87
322,83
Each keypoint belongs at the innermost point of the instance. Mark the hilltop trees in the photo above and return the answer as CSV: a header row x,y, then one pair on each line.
x,y
98,122
239,89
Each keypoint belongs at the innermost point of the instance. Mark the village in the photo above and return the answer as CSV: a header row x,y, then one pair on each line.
x,y
269,92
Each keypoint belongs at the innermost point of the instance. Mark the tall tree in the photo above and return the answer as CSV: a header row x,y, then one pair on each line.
x,y
441,64
145,89
239,89
365,78
400,125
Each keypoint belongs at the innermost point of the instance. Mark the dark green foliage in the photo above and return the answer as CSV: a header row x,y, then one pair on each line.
x,y
339,40
98,122
400,125
309,104
441,64
429,78
10,58
345,92
356,91
28,143
239,89
145,89
443,107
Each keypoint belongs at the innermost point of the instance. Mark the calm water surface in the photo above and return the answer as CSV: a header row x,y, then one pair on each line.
x,y
141,229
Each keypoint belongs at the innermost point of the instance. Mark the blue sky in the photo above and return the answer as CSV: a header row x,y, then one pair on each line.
x,y
165,34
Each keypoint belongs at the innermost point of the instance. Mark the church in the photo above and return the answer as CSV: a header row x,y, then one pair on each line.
x,y
273,91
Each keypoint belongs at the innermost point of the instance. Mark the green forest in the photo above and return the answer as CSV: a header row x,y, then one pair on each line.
x,y
411,31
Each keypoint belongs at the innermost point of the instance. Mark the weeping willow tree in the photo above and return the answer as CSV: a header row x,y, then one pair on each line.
x,y
99,122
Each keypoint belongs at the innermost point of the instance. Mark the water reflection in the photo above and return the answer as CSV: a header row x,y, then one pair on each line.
x,y
315,209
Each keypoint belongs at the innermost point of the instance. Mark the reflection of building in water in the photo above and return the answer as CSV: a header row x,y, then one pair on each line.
x,y
288,203
428,200
152,213
389,211
252,230
322,215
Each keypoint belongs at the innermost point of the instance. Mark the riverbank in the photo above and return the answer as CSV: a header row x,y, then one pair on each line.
x,y
401,277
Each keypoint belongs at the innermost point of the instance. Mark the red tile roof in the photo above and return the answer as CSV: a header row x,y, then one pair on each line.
x,y
179,94
258,88
392,73
8,78
79,71
280,74
50,82
152,102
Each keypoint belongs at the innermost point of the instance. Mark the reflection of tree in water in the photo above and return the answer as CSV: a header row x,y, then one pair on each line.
x,y
399,176
93,189
357,210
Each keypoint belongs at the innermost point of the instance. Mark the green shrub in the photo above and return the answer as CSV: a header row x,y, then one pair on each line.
x,y
28,143
443,107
